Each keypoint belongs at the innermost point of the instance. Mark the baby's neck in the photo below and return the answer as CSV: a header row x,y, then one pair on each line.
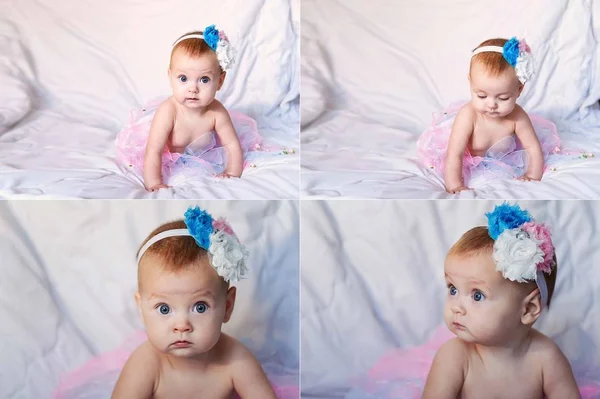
x,y
514,347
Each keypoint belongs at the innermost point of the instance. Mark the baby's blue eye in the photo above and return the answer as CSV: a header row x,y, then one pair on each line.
x,y
205,79
164,309
453,290
200,307
478,296
183,78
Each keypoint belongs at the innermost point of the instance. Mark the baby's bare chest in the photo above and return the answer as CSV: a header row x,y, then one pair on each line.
x,y
485,135
503,382
185,131
210,384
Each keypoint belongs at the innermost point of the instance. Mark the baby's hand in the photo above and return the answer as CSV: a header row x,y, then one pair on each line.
x,y
527,178
457,189
157,187
225,175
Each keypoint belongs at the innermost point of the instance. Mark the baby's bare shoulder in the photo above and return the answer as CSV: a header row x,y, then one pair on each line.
x,y
233,350
544,348
139,375
467,111
145,354
518,114
165,113
217,107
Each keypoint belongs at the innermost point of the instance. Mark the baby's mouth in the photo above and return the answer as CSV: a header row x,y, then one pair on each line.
x,y
181,344
458,326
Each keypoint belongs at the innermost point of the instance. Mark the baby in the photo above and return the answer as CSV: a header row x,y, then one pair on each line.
x,y
191,130
184,272
491,136
499,280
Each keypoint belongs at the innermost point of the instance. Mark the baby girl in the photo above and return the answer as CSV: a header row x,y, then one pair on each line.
x,y
500,278
191,131
184,296
491,136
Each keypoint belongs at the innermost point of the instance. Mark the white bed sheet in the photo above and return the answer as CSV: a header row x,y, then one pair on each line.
x,y
68,275
372,280
93,62
374,73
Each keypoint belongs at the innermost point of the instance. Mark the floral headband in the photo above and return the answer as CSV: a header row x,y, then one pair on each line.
x,y
217,41
523,249
517,53
227,255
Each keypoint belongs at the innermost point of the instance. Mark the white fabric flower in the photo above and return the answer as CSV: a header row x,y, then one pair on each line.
x,y
524,67
228,256
517,254
225,54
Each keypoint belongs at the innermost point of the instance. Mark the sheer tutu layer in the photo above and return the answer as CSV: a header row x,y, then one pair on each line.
x,y
401,373
504,160
204,156
97,378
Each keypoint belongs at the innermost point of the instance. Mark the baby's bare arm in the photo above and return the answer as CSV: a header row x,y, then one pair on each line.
x,y
160,129
447,374
462,129
249,379
229,140
139,375
526,134
557,375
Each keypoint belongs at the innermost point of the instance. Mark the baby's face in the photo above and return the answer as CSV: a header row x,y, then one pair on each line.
x,y
494,96
481,306
195,80
183,312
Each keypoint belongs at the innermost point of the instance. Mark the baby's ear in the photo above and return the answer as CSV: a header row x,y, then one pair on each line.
x,y
532,307
221,79
521,86
229,304
138,302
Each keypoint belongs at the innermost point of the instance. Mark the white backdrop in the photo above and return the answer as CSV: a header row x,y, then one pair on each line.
x,y
74,69
372,280
374,73
68,275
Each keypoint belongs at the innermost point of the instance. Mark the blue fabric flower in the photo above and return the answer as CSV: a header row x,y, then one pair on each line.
x,y
505,217
200,224
211,37
510,51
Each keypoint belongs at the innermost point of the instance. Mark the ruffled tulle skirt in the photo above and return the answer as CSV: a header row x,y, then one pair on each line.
x,y
203,157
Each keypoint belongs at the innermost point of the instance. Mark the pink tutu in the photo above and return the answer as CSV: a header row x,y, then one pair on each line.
x,y
204,156
401,373
97,378
505,159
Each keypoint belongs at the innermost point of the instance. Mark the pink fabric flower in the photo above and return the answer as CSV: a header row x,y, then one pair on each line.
x,y
222,36
523,46
542,232
221,224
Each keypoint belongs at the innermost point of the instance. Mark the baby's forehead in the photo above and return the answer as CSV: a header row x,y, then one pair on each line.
x,y
182,56
477,266
191,278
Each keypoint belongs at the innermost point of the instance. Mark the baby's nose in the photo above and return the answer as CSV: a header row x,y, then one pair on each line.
x,y
182,325
457,307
